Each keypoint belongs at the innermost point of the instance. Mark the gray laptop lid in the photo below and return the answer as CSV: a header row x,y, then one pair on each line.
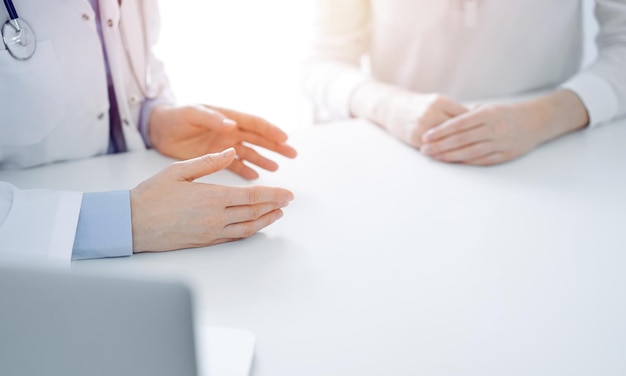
x,y
62,323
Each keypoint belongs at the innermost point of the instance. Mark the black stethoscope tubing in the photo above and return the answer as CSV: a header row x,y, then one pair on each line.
x,y
11,9
14,17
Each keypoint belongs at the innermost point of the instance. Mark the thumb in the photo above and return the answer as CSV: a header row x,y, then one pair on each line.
x,y
209,118
453,108
207,164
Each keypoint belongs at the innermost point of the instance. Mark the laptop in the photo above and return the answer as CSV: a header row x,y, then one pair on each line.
x,y
57,322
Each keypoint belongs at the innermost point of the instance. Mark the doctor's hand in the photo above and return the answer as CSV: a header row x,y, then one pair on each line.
x,y
492,134
190,131
170,211
404,114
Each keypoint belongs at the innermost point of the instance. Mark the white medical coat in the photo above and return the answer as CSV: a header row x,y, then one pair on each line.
x,y
54,107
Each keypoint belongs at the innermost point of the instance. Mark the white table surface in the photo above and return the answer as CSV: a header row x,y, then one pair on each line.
x,y
388,263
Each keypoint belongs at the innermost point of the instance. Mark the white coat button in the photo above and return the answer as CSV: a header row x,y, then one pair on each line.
x,y
101,116
134,99
110,22
85,17
126,122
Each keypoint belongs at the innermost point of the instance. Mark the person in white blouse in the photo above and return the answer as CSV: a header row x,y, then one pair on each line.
x,y
415,66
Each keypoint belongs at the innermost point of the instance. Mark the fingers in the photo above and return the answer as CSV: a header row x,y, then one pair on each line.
x,y
257,194
246,229
245,213
409,115
250,155
259,131
262,141
239,168
195,168
170,211
488,135
254,124
488,160
466,153
245,153
451,107
460,123
478,134
414,134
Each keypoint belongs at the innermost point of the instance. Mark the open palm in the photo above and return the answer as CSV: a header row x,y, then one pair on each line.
x,y
191,131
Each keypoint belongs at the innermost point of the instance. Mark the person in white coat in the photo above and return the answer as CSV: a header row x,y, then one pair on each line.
x,y
413,66
93,86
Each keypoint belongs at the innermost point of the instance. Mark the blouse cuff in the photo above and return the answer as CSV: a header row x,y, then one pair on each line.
x,y
597,95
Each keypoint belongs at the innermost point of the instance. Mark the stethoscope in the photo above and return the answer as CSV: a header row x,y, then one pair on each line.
x,y
17,35
147,89
20,41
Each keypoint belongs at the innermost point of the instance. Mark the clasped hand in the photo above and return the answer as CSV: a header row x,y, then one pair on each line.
x,y
484,134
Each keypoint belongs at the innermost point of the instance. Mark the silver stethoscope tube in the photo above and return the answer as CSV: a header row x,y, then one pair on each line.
x,y
20,41
17,35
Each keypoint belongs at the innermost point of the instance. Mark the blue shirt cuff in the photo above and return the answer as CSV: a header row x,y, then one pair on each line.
x,y
104,226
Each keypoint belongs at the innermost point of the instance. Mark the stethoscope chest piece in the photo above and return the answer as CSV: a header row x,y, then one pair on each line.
x,y
19,39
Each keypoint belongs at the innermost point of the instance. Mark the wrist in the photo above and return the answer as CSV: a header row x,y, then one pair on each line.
x,y
158,119
370,101
379,103
364,98
557,113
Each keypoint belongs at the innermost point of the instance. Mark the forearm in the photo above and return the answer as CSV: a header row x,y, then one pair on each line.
x,y
332,69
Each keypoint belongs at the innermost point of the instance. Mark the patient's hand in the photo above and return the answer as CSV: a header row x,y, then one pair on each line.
x,y
404,114
497,133
185,132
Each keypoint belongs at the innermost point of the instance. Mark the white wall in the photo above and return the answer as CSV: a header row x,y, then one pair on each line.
x,y
243,54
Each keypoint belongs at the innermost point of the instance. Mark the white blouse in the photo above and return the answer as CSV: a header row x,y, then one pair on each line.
x,y
467,49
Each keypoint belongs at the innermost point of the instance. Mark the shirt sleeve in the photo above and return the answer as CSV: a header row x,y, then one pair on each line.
x,y
104,226
144,116
332,71
602,86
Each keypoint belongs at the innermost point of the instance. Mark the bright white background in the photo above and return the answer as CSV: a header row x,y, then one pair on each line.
x,y
242,54
247,54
